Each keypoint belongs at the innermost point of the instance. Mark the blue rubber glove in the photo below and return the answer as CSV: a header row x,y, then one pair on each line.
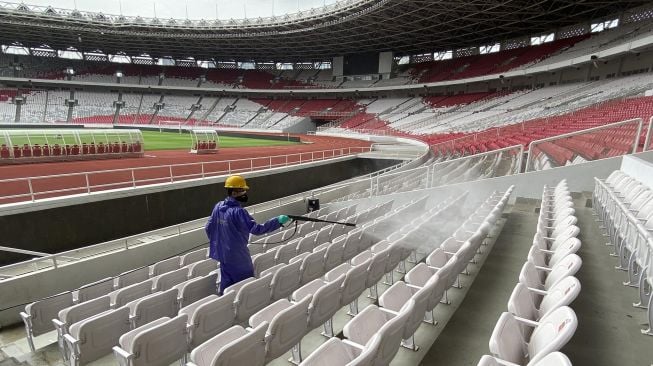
x,y
283,219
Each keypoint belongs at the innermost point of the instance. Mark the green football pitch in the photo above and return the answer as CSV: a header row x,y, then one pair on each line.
x,y
171,140
160,141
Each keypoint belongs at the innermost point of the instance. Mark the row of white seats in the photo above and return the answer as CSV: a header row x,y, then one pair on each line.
x,y
38,315
316,240
312,306
323,214
239,302
146,309
539,321
373,337
625,208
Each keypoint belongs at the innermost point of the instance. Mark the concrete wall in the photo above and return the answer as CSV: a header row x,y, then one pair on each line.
x,y
64,228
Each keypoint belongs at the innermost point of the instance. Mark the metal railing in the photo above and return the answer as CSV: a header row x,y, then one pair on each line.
x,y
495,163
631,129
34,188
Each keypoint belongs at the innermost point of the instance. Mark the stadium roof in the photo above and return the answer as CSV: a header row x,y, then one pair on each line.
x,y
348,27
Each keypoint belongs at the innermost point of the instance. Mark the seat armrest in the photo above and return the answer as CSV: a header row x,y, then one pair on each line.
x,y
73,344
537,291
353,344
527,322
124,357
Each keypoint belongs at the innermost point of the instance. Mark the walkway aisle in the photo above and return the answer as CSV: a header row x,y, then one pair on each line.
x,y
465,337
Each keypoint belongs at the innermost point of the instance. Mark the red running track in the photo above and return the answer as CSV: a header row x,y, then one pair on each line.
x,y
154,167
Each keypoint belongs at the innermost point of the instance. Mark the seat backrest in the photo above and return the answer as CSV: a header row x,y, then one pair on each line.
x,y
285,253
552,333
197,288
567,266
307,243
247,350
437,285
202,267
325,303
391,334
98,334
437,258
416,316
95,290
162,344
166,265
521,305
323,235
286,280
43,311
394,257
287,328
85,310
570,246
351,246
155,306
127,294
170,279
377,267
263,261
132,277
194,256
252,297
506,341
211,318
333,255
562,293
530,277
354,283
312,266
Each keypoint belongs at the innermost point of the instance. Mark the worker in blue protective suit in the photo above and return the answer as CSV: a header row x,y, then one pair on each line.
x,y
228,230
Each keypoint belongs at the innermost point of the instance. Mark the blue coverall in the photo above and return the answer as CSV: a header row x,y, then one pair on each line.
x,y
228,230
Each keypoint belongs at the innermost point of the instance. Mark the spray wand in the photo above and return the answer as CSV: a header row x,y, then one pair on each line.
x,y
297,219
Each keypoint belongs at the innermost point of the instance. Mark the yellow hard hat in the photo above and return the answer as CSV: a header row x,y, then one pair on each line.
x,y
235,181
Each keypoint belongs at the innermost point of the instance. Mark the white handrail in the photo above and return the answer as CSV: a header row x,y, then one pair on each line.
x,y
170,177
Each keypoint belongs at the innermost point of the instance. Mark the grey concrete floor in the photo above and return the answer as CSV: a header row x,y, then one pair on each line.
x,y
465,338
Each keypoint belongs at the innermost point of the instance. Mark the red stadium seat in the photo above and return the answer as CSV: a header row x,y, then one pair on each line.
x,y
27,151
115,148
84,148
46,150
68,149
91,148
124,147
4,152
137,146
101,148
56,150
74,150
36,150
17,152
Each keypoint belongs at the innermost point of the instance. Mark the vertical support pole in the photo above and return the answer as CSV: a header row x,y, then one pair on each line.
x,y
31,190
88,186
637,135
648,134
170,169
